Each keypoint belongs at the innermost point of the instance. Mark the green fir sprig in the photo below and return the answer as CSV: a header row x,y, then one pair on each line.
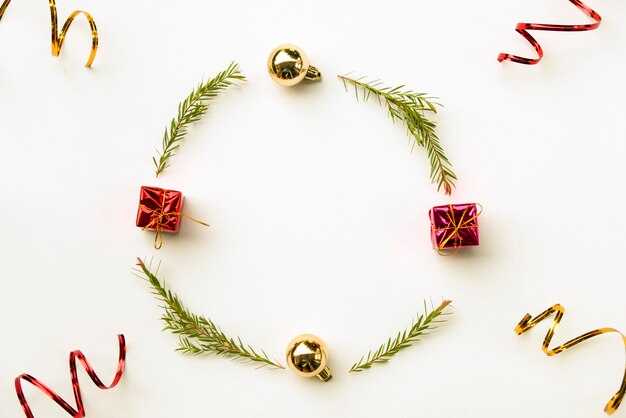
x,y
404,339
191,110
411,108
198,334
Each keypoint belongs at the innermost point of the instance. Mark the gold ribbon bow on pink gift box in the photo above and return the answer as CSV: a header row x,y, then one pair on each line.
x,y
455,227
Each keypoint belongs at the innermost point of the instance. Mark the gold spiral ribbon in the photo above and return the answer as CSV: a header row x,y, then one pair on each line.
x,y
528,322
59,36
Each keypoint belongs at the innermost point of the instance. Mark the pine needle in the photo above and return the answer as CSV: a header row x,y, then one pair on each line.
x,y
191,110
411,108
403,339
198,334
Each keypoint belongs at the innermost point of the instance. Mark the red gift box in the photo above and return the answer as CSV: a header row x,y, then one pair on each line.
x,y
159,209
454,226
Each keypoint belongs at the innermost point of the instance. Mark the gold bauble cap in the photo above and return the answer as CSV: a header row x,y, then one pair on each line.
x,y
307,355
288,65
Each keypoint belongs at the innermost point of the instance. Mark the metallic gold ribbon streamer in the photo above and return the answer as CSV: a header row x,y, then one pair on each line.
x,y
157,220
59,37
3,8
528,322
456,227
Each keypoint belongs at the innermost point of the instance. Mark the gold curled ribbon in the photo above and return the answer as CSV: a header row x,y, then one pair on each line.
x,y
59,37
528,322
455,227
3,8
158,221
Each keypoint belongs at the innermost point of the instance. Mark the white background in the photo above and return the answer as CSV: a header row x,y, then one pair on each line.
x,y
318,208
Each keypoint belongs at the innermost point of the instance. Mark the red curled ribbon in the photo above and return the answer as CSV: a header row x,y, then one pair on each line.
x,y
523,28
77,354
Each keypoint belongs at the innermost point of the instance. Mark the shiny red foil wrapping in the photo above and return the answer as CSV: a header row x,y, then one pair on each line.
x,y
159,209
523,28
79,412
454,226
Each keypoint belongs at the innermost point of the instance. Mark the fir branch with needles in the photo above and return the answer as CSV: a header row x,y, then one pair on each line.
x,y
420,327
191,110
411,108
199,334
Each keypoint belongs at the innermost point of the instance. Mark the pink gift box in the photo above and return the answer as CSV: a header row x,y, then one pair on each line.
x,y
454,226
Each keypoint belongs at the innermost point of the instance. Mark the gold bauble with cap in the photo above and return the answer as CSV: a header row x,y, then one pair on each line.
x,y
288,65
307,355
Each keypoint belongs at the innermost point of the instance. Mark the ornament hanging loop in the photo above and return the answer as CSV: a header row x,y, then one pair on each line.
x,y
325,375
313,74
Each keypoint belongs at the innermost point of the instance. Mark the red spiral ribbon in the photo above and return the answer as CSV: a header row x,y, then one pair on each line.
x,y
523,28
74,355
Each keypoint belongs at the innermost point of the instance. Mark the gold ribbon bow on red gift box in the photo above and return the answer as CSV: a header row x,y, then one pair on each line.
x,y
159,218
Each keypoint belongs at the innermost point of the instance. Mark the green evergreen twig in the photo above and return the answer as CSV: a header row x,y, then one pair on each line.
x,y
198,334
410,107
191,110
404,339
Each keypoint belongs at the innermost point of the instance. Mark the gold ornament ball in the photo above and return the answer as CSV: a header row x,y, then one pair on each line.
x,y
288,65
307,355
